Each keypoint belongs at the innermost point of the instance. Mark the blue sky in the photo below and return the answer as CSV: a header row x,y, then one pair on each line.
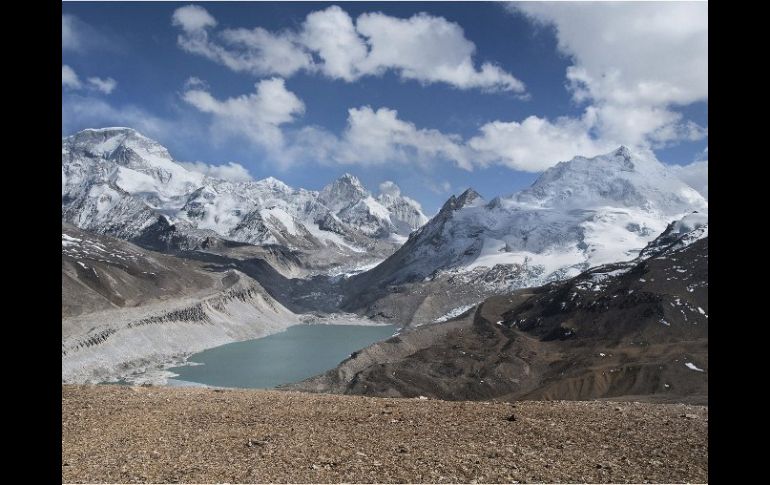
x,y
444,95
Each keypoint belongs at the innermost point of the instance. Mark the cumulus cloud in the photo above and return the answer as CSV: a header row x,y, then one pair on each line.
x,y
633,66
256,51
378,137
389,187
232,171
535,144
696,174
257,116
634,63
372,45
444,54
192,18
69,78
332,34
106,85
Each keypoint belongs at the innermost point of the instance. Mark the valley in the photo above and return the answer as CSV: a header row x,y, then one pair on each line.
x,y
591,283
393,242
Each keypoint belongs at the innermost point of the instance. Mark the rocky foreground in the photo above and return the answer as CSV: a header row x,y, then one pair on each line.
x,y
153,434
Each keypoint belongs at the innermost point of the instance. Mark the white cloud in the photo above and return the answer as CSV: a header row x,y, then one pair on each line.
x,y
535,144
69,78
232,171
634,62
332,34
256,51
373,45
379,137
106,85
257,116
70,37
389,187
192,18
261,52
696,174
371,137
444,54
195,82
633,65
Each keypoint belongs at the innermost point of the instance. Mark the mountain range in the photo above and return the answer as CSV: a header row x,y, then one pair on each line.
x,y
120,183
578,214
634,330
160,260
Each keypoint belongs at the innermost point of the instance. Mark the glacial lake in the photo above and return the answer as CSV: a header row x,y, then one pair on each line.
x,y
295,354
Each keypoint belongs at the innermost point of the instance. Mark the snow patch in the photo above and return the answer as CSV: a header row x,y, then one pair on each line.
x,y
454,313
694,367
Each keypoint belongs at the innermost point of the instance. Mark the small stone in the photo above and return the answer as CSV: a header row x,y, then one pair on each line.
x,y
690,416
618,408
512,417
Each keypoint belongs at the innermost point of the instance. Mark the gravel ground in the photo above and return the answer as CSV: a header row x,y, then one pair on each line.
x,y
161,434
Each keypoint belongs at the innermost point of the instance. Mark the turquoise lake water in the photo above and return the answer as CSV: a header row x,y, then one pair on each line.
x,y
300,352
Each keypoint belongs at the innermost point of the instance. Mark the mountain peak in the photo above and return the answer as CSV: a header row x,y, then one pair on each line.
x,y
468,197
620,178
107,140
343,192
274,183
623,151
465,199
350,179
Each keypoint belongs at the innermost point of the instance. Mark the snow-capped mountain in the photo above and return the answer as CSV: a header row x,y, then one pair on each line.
x,y
578,214
679,234
118,182
620,330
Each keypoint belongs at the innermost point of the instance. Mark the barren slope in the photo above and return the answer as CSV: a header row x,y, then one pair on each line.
x,y
126,435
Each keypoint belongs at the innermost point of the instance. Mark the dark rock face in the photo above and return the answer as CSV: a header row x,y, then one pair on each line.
x,y
623,331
